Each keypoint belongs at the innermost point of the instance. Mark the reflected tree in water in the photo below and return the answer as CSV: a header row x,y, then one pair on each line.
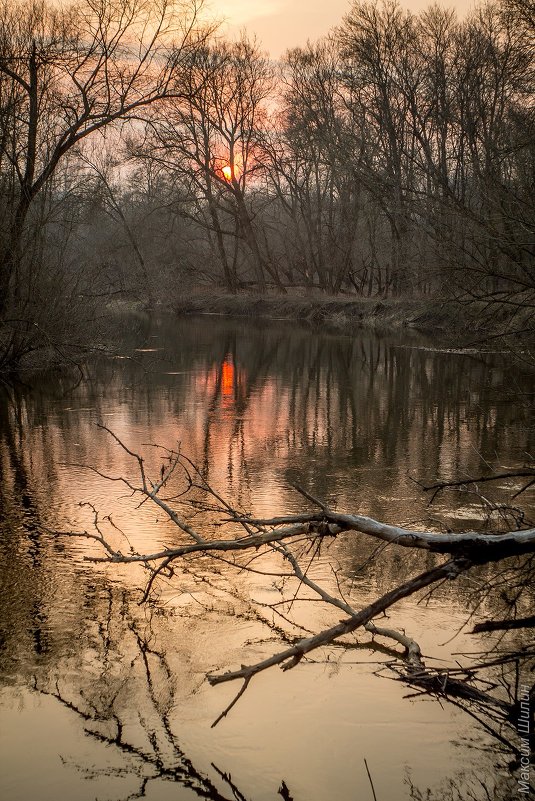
x,y
490,686
348,406
125,692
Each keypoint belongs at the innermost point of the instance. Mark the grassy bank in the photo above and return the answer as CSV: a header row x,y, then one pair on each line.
x,y
449,320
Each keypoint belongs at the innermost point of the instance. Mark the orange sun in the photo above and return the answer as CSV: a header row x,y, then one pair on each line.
x,y
227,172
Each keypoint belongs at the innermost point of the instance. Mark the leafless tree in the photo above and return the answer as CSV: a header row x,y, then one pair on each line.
x,y
67,71
454,132
211,140
377,44
312,170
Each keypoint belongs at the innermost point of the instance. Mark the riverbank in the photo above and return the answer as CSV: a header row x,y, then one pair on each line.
x,y
448,320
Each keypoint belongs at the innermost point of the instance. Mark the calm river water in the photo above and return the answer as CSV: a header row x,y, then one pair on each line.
x,y
101,698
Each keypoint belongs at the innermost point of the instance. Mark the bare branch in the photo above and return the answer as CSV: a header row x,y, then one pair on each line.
x,y
292,656
490,546
504,625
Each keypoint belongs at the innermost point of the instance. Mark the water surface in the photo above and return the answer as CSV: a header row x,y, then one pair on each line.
x,y
102,698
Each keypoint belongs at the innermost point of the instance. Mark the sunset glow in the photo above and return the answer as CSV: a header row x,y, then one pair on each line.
x,y
227,377
227,172
281,24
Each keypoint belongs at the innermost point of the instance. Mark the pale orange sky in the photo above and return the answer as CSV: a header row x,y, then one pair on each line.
x,y
280,24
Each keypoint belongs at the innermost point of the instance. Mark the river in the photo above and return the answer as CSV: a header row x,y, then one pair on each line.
x,y
103,698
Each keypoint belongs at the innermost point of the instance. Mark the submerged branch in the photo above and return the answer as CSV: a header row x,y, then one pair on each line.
x,y
504,625
292,656
296,539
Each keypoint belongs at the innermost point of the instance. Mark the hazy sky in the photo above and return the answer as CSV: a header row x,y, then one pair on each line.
x,y
280,24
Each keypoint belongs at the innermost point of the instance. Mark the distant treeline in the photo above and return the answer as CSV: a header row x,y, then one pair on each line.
x,y
141,154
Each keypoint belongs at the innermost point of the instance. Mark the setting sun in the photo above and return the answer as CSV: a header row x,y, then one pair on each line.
x,y
243,244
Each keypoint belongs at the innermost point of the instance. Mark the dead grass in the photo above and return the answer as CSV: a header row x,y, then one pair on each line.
x,y
454,323
337,313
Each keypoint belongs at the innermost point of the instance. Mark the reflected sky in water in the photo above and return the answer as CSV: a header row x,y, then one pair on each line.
x,y
257,407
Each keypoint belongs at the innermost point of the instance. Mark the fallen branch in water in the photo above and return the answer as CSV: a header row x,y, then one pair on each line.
x,y
504,625
295,542
290,657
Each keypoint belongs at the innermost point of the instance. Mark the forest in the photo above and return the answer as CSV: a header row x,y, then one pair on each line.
x,y
142,157
196,489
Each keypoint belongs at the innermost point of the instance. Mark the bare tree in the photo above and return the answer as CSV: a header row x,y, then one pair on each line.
x,y
376,43
212,141
66,72
450,108
523,11
102,175
313,169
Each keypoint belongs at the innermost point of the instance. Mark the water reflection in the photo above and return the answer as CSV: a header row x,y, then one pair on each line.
x,y
126,693
248,403
256,407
